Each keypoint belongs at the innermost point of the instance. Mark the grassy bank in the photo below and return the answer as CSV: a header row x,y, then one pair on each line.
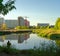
x,y
50,33
5,51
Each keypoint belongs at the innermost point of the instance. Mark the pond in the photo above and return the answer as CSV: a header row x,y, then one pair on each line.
x,y
26,41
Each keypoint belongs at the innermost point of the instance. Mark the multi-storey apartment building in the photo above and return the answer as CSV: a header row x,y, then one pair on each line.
x,y
21,21
11,23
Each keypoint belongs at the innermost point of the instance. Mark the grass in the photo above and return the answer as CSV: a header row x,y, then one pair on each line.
x,y
31,52
48,32
8,50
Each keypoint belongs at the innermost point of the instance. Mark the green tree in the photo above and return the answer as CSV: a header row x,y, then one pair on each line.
x,y
8,6
57,24
17,27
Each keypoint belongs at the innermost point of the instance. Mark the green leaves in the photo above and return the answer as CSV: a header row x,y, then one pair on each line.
x,y
1,1
57,24
8,6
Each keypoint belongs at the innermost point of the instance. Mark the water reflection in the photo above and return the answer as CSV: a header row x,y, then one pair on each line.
x,y
57,40
2,38
22,37
26,41
19,37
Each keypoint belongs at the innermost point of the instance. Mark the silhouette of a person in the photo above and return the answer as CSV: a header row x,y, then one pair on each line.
x,y
8,44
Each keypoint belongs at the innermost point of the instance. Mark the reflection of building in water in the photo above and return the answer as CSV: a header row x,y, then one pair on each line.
x,y
26,36
12,37
23,37
2,38
19,37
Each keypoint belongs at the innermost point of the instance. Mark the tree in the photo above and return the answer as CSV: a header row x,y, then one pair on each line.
x,y
17,27
8,6
57,24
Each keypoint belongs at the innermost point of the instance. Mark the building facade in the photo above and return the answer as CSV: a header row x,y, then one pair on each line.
x,y
21,21
27,23
43,25
1,21
11,23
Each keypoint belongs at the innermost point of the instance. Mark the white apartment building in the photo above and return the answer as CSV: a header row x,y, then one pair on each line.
x,y
11,23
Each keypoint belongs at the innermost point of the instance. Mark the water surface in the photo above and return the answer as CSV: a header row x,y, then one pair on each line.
x,y
26,41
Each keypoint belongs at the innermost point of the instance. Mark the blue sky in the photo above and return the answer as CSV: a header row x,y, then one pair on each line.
x,y
37,11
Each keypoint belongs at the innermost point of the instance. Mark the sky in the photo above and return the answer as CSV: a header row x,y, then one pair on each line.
x,y
37,11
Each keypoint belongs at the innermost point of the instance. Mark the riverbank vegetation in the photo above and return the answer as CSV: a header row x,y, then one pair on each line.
x,y
5,51
53,32
47,32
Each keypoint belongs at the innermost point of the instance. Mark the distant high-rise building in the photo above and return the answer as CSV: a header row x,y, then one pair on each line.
x,y
27,23
21,21
1,21
11,23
